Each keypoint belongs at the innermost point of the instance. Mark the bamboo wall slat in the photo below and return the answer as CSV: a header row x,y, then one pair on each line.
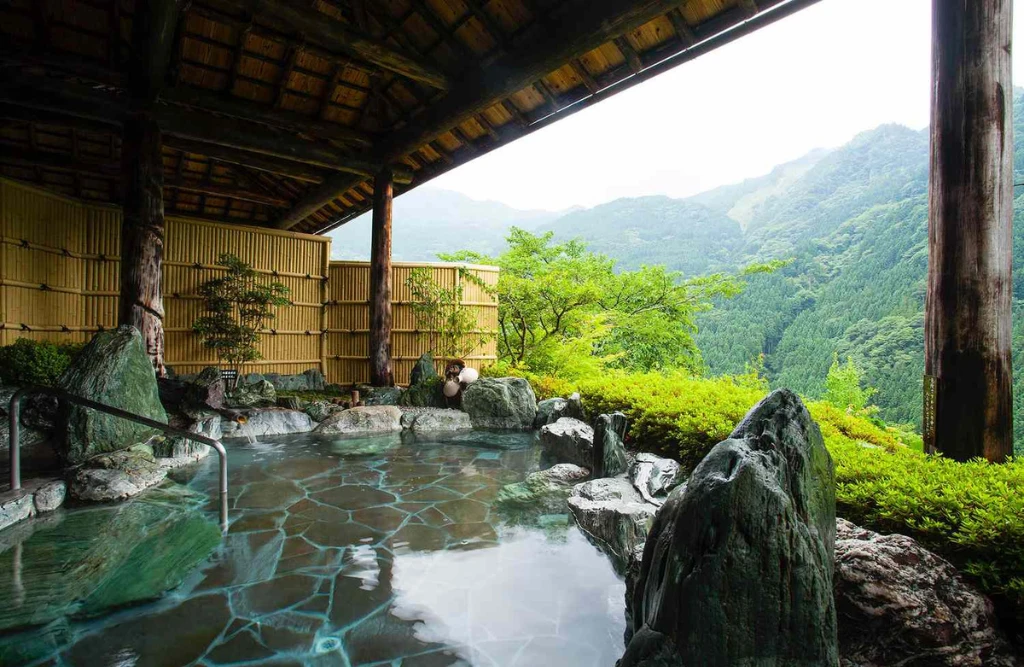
x,y
59,280
348,317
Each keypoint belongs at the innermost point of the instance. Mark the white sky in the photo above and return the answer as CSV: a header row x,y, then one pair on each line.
x,y
812,80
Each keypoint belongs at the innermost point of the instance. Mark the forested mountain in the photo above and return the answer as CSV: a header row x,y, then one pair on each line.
x,y
855,226
853,222
428,221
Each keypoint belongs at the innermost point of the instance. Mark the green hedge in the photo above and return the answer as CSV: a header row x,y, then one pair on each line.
x,y
970,513
30,362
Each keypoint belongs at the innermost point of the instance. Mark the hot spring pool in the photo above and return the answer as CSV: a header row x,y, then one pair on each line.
x,y
369,551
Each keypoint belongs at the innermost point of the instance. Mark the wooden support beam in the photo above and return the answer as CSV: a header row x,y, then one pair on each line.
x,y
236,107
293,170
968,306
331,34
83,102
234,133
482,87
381,371
228,192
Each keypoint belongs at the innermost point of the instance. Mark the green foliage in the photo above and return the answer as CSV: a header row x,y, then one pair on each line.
x,y
565,310
449,326
238,305
970,513
843,388
675,415
35,362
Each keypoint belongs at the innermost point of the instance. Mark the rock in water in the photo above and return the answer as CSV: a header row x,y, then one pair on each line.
x,y
542,493
568,441
504,403
738,566
113,369
609,445
370,419
612,512
654,476
901,604
435,419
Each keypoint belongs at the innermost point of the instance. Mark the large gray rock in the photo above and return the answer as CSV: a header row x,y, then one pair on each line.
x,y
568,440
654,476
421,420
174,452
270,421
901,604
610,445
503,403
320,410
612,512
206,391
117,476
738,567
15,508
113,369
551,410
369,419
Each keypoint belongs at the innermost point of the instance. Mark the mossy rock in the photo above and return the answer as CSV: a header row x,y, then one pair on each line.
x,y
113,369
427,393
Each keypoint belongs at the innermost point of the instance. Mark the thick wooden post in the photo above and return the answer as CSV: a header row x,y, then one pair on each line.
x,y
142,173
969,299
142,234
381,372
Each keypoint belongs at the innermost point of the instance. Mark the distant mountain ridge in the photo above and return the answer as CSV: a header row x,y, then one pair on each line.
x,y
428,221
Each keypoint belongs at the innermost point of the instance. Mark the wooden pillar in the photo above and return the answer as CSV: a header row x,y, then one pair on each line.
x,y
142,234
142,174
381,372
969,298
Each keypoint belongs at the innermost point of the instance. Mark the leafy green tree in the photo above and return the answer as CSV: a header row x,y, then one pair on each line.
x,y
238,306
450,327
843,388
563,309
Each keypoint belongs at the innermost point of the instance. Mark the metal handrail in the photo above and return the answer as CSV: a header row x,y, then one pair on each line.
x,y
15,448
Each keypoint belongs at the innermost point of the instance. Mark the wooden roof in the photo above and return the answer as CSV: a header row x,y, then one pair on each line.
x,y
278,112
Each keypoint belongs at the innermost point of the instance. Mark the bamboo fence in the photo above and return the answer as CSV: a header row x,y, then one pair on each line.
x,y
59,280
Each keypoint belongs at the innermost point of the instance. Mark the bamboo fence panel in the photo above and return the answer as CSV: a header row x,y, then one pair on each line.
x,y
59,280
348,317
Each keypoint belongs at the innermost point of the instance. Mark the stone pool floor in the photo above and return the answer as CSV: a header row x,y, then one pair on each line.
x,y
372,551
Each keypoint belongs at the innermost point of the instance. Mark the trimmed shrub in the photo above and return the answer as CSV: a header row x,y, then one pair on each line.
x,y
972,513
33,362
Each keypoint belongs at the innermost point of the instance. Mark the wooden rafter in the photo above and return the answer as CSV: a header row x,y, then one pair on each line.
x,y
334,35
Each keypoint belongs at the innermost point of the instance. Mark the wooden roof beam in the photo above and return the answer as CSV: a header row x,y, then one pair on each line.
x,y
293,170
82,101
482,87
229,105
329,33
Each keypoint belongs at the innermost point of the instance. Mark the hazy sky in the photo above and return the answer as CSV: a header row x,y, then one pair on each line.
x,y
812,80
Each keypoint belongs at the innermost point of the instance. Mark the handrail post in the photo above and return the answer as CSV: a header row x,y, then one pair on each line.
x,y
15,445
15,438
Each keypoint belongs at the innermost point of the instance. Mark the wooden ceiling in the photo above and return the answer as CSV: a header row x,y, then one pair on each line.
x,y
279,112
